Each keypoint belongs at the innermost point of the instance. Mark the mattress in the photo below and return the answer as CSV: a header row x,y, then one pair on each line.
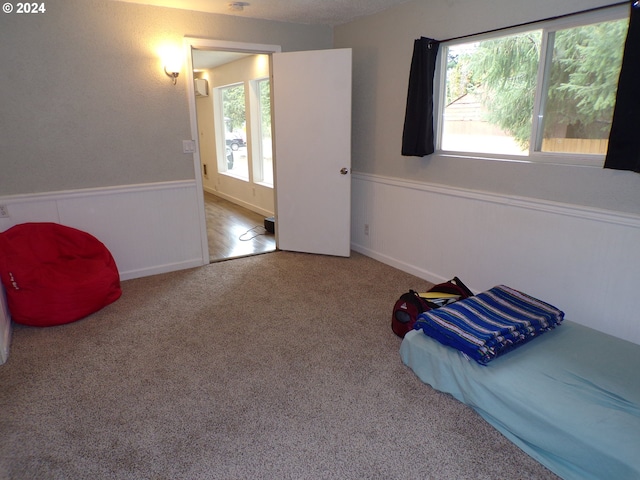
x,y
570,398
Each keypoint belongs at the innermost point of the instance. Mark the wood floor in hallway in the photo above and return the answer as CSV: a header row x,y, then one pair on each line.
x,y
234,231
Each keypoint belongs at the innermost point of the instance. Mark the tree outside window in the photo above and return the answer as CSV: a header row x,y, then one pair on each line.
x,y
564,78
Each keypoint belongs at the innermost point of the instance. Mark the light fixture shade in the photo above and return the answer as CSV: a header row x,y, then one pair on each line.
x,y
173,64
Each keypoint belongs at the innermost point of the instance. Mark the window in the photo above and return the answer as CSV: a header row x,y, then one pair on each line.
x,y
234,161
262,147
546,93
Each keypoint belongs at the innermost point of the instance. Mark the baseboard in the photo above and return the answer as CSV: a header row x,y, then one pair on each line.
x,y
159,269
237,201
412,269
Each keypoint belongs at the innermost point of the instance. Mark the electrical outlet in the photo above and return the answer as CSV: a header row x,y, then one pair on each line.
x,y
188,146
366,229
4,211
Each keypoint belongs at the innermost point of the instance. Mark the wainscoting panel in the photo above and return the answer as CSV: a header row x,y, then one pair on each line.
x,y
585,261
149,229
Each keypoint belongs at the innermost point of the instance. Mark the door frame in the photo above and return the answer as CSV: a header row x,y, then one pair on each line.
x,y
223,46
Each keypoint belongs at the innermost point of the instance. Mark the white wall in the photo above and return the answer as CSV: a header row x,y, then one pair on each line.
x,y
583,260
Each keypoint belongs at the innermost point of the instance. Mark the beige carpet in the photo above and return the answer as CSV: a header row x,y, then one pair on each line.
x,y
277,366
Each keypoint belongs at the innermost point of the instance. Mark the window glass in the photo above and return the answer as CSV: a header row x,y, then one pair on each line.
x,y
490,87
564,76
233,110
582,83
264,159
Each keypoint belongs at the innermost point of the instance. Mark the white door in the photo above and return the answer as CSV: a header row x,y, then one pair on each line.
x,y
312,125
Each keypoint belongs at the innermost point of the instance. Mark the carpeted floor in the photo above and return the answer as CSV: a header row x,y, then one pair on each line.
x,y
277,366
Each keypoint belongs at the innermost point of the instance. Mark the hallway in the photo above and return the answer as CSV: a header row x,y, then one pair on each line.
x,y
234,231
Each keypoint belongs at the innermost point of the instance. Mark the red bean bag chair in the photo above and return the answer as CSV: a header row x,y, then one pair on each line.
x,y
55,274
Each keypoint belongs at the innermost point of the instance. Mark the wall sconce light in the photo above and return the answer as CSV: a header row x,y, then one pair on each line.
x,y
172,74
172,71
172,65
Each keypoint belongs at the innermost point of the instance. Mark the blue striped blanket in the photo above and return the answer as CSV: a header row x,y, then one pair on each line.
x,y
490,323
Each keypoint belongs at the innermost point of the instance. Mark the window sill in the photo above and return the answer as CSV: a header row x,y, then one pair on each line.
x,y
591,161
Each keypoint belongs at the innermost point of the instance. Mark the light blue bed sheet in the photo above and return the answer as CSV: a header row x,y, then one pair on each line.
x,y
570,399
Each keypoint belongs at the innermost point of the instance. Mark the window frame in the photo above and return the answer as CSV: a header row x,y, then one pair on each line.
x,y
257,132
547,27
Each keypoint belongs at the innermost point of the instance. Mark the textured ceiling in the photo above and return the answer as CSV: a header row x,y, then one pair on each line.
x,y
316,12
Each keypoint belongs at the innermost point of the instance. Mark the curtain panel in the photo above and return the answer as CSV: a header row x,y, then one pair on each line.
x,y
418,136
624,140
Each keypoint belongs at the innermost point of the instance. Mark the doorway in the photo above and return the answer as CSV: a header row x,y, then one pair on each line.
x,y
312,175
231,96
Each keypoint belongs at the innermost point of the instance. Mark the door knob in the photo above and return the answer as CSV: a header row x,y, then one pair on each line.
x,y
344,170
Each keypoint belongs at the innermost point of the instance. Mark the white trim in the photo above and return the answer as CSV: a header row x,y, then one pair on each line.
x,y
5,327
94,191
558,208
229,46
399,264
209,44
159,269
237,201
191,101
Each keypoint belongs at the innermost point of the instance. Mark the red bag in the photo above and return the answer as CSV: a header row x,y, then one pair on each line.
x,y
406,311
411,304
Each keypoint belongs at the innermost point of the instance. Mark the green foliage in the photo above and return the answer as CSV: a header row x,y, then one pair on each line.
x,y
234,107
582,80
460,79
265,106
505,70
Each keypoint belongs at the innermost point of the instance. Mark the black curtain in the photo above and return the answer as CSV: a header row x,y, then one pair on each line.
x,y
417,138
624,139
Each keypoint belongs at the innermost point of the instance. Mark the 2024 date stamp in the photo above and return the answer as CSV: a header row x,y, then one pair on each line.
x,y
24,8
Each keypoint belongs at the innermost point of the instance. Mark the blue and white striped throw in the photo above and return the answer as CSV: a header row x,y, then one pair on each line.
x,y
490,323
